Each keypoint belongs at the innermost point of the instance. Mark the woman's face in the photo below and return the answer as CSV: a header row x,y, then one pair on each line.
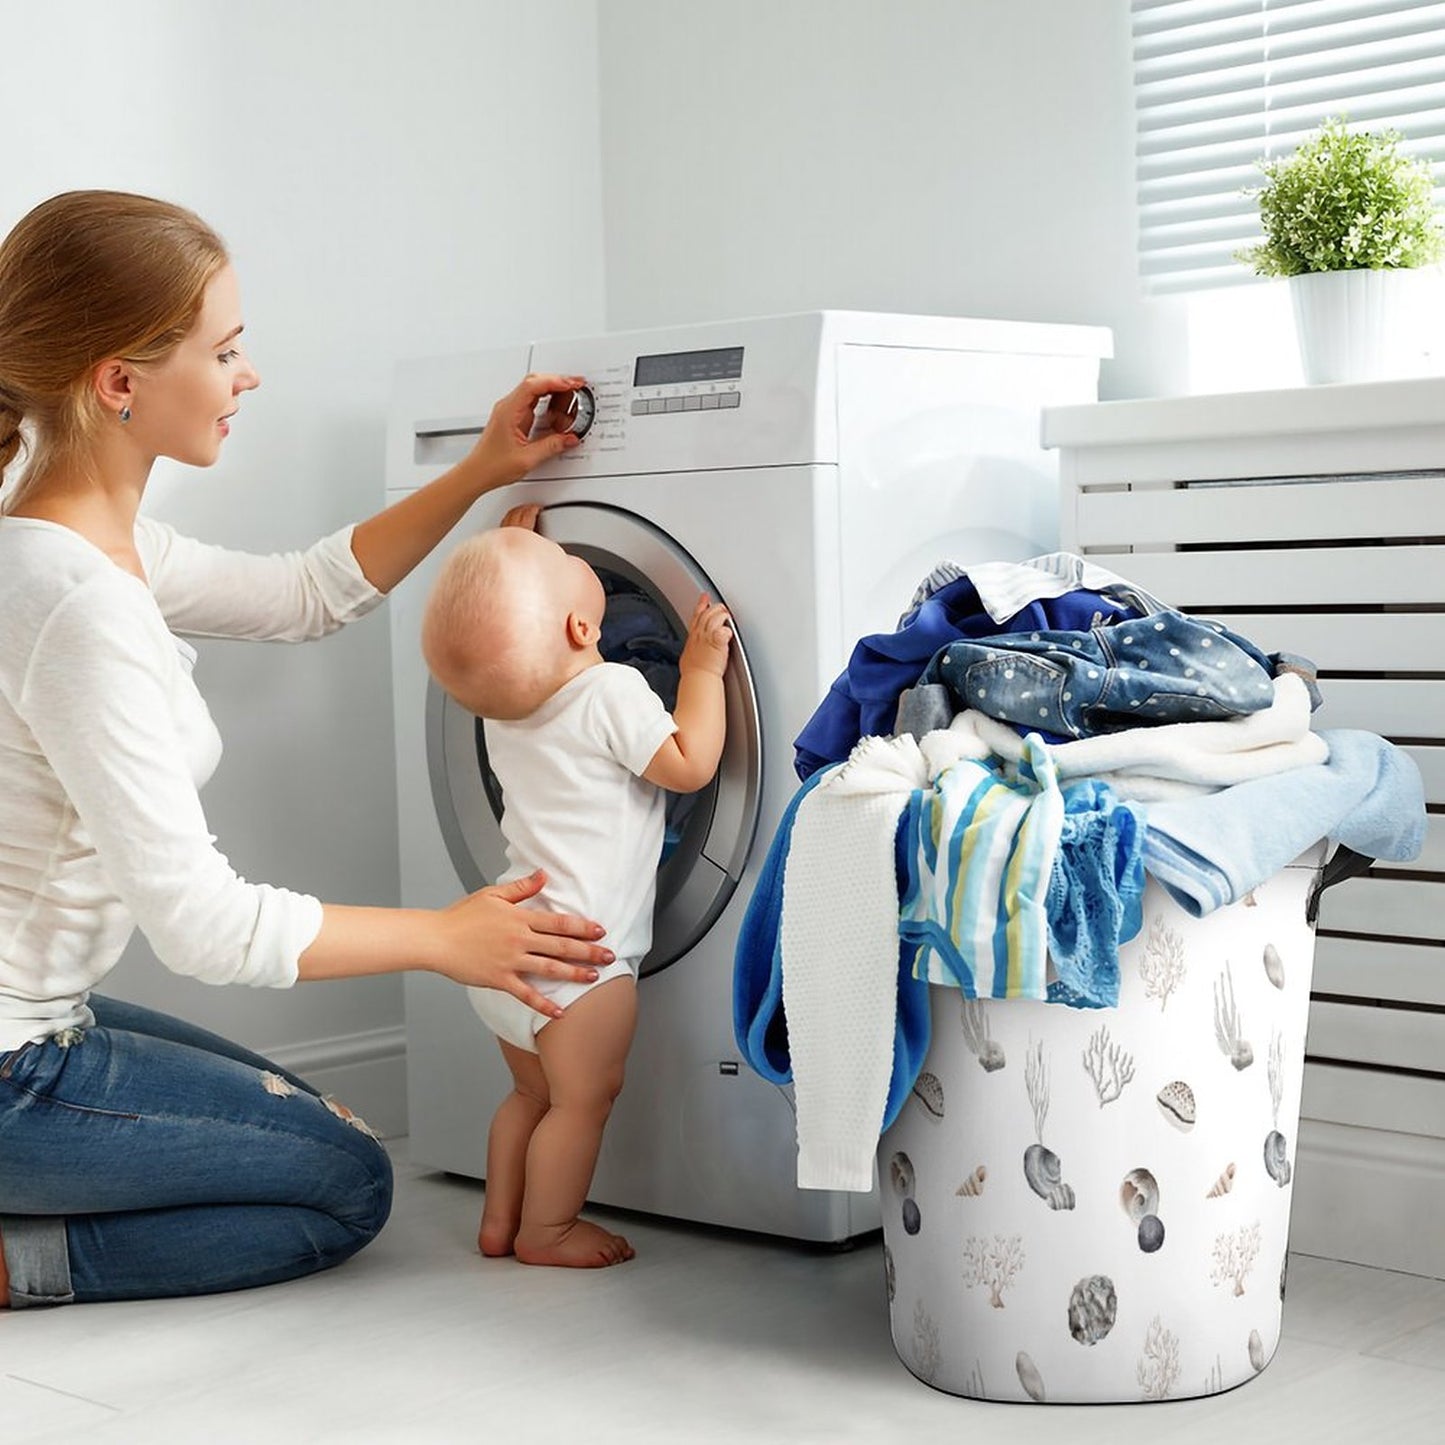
x,y
183,406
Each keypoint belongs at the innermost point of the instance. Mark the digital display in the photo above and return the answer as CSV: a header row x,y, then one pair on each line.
x,y
677,368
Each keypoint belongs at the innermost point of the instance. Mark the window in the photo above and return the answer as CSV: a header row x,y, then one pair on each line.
x,y
1218,84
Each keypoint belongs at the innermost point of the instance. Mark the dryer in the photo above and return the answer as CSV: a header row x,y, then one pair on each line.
x,y
808,471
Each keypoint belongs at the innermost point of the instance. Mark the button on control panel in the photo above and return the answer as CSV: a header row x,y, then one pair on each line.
x,y
664,402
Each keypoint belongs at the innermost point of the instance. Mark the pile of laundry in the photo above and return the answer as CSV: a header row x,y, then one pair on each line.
x,y
984,791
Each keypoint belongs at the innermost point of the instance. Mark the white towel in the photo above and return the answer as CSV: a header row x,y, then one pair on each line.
x,y
839,940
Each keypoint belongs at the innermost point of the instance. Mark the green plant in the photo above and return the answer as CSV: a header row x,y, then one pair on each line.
x,y
1345,202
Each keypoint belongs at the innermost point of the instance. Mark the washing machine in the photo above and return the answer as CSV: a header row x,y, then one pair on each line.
x,y
808,471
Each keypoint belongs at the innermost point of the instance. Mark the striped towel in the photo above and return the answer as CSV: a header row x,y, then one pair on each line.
x,y
983,852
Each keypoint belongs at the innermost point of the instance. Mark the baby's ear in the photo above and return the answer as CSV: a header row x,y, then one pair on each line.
x,y
581,631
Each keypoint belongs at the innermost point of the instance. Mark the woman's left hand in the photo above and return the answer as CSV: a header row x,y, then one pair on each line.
x,y
506,450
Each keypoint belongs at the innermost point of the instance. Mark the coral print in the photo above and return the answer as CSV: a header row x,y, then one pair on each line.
x,y
1162,968
993,1264
1108,1066
1234,1256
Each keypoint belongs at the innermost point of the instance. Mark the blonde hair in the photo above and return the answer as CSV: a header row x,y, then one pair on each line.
x,y
491,634
84,276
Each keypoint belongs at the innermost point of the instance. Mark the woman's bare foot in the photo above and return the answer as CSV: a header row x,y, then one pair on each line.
x,y
495,1236
578,1245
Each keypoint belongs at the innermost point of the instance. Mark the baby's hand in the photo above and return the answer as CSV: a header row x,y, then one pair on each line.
x,y
524,514
708,635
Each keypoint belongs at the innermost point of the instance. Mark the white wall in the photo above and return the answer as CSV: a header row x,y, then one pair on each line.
x,y
970,157
386,179
397,180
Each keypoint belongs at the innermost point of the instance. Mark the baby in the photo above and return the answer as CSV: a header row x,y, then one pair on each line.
x,y
583,750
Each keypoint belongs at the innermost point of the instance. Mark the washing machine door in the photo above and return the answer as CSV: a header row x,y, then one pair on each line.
x,y
652,585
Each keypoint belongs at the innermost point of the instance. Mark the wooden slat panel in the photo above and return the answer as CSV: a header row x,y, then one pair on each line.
x,y
1415,449
1371,968
1317,511
1400,907
1356,1033
1351,641
1394,708
1284,577
1367,1099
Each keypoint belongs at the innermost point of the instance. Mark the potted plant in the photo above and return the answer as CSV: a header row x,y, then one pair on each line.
x,y
1344,217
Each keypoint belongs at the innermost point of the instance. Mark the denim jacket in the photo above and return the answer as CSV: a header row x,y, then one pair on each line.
x,y
1163,668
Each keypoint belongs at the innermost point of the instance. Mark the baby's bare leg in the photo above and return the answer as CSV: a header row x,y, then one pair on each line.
x,y
511,1132
583,1054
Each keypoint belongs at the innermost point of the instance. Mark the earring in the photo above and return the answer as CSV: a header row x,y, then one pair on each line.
x,y
124,414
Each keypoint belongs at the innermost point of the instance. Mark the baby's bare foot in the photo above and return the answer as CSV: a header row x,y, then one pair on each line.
x,y
495,1237
578,1245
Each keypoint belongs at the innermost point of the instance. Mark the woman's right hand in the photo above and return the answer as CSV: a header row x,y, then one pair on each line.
x,y
490,942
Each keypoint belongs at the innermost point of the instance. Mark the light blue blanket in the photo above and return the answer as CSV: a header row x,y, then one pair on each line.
x,y
1212,850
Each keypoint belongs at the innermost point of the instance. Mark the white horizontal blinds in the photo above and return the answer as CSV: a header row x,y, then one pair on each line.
x,y
1220,83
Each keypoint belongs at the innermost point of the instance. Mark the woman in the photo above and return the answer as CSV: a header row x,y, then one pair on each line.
x,y
139,1156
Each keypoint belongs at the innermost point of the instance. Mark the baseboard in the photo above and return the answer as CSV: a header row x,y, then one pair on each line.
x,y
1370,1196
365,1071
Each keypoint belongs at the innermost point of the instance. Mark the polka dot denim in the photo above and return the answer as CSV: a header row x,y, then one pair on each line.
x,y
1164,668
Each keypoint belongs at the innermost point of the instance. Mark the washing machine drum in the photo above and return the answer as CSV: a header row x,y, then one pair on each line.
x,y
651,585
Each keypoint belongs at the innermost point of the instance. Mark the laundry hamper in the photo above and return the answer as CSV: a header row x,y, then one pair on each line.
x,y
1093,1205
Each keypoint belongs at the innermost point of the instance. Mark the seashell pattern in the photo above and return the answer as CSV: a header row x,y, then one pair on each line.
x,y
1223,1184
900,1171
1256,1351
1276,1158
1273,966
929,1092
1217,1224
1139,1194
973,1185
1029,1378
1044,1172
890,1278
1093,1307
1176,1103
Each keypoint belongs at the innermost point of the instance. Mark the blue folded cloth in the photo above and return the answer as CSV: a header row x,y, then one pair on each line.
x,y
1212,850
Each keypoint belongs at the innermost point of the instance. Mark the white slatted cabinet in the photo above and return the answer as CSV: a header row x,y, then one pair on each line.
x,y
1313,521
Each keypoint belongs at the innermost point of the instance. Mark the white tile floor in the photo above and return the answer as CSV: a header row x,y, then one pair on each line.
x,y
705,1337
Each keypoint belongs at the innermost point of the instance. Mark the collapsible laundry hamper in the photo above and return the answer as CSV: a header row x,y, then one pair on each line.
x,y
1093,1205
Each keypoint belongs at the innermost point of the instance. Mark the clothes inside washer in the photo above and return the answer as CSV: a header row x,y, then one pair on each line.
x,y
638,632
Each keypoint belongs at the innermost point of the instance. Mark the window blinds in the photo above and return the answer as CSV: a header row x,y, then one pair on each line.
x,y
1218,84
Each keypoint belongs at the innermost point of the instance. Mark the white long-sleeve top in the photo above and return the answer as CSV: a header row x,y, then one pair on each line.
x,y
104,744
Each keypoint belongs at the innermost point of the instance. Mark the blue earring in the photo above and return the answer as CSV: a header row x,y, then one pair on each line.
x,y
124,414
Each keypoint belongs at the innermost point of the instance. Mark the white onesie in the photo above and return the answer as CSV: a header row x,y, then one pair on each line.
x,y
574,803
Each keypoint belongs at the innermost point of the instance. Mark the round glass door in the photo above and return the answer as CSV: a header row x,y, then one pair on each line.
x,y
651,586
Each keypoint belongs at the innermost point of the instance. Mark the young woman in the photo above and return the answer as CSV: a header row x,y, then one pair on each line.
x,y
139,1156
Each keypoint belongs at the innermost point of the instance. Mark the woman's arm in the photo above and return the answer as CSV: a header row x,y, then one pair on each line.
x,y
483,939
390,544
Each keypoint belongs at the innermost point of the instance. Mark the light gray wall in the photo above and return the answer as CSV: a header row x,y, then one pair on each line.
x,y
456,173
969,157
383,175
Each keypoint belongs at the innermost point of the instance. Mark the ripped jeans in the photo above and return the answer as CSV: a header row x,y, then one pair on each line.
x,y
145,1157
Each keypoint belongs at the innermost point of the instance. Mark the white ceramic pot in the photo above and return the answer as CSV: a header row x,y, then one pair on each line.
x,y
1351,325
